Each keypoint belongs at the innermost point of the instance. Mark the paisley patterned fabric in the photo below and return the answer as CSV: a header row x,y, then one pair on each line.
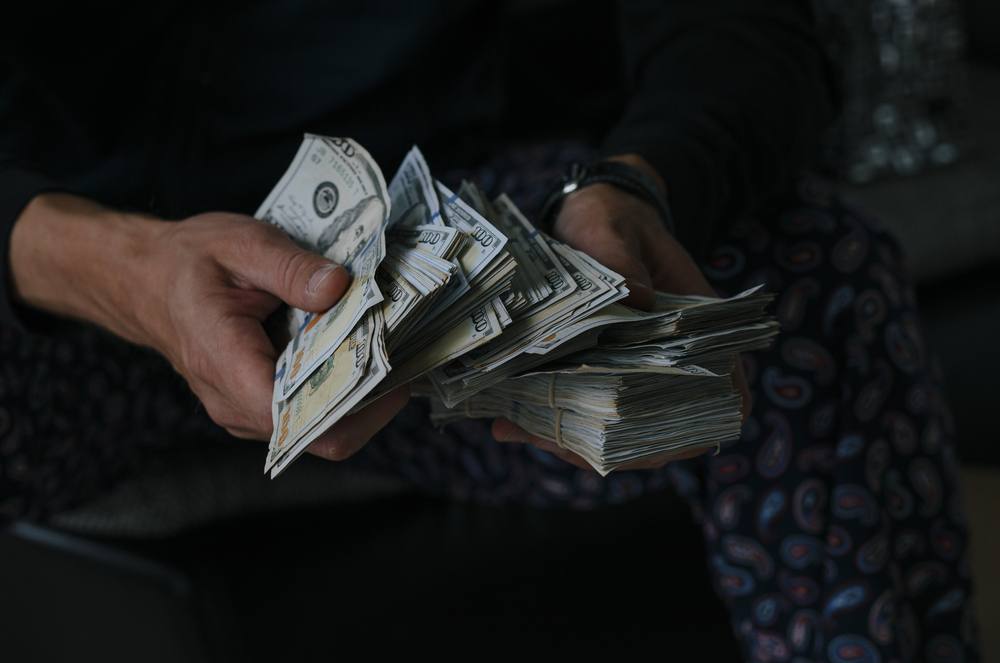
x,y
833,527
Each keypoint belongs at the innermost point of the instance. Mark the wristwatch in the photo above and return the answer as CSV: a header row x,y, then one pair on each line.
x,y
622,175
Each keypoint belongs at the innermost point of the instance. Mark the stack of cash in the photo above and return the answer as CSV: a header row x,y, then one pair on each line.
x,y
464,298
651,384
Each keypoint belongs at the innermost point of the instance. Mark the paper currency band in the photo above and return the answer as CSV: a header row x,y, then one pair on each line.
x,y
621,175
559,412
559,440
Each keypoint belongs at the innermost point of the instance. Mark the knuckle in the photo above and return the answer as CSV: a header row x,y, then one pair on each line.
x,y
292,267
247,430
264,424
259,231
223,419
230,420
235,425
339,448
218,414
196,362
246,240
340,451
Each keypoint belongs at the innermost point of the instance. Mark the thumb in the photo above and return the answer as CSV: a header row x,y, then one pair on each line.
x,y
624,256
272,262
638,281
640,294
620,256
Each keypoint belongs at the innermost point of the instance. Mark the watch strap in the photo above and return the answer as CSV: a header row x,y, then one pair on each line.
x,y
621,175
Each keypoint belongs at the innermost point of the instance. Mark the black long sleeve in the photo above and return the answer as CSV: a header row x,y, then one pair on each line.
x,y
18,185
728,100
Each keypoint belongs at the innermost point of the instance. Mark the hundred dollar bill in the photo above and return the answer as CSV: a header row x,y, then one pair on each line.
x,y
424,270
477,199
485,271
487,241
328,402
333,200
557,282
442,241
477,328
527,286
591,292
400,296
414,199
329,384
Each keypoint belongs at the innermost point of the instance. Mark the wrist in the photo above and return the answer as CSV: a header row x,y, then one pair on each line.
x,y
639,163
75,258
629,215
629,173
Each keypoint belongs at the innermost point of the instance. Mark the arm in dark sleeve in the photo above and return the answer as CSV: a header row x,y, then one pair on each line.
x,y
48,98
729,99
19,184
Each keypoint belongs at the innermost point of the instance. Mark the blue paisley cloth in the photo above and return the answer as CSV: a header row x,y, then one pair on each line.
x,y
833,527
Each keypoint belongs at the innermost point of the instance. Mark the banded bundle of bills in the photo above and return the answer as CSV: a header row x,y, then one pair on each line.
x,y
463,297
651,384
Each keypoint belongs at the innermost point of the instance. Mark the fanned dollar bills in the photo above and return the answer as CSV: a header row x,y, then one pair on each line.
x,y
487,316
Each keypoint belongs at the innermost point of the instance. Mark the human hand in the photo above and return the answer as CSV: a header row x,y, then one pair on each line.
x,y
197,291
626,234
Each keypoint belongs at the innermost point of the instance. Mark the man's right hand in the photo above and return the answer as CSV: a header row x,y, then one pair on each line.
x,y
197,291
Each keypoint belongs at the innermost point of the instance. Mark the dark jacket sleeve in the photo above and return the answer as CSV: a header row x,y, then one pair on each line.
x,y
729,99
18,185
41,140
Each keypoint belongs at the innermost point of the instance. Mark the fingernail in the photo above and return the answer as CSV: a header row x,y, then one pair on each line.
x,y
319,277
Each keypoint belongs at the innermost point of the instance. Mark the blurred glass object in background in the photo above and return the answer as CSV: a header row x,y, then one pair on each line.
x,y
902,80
